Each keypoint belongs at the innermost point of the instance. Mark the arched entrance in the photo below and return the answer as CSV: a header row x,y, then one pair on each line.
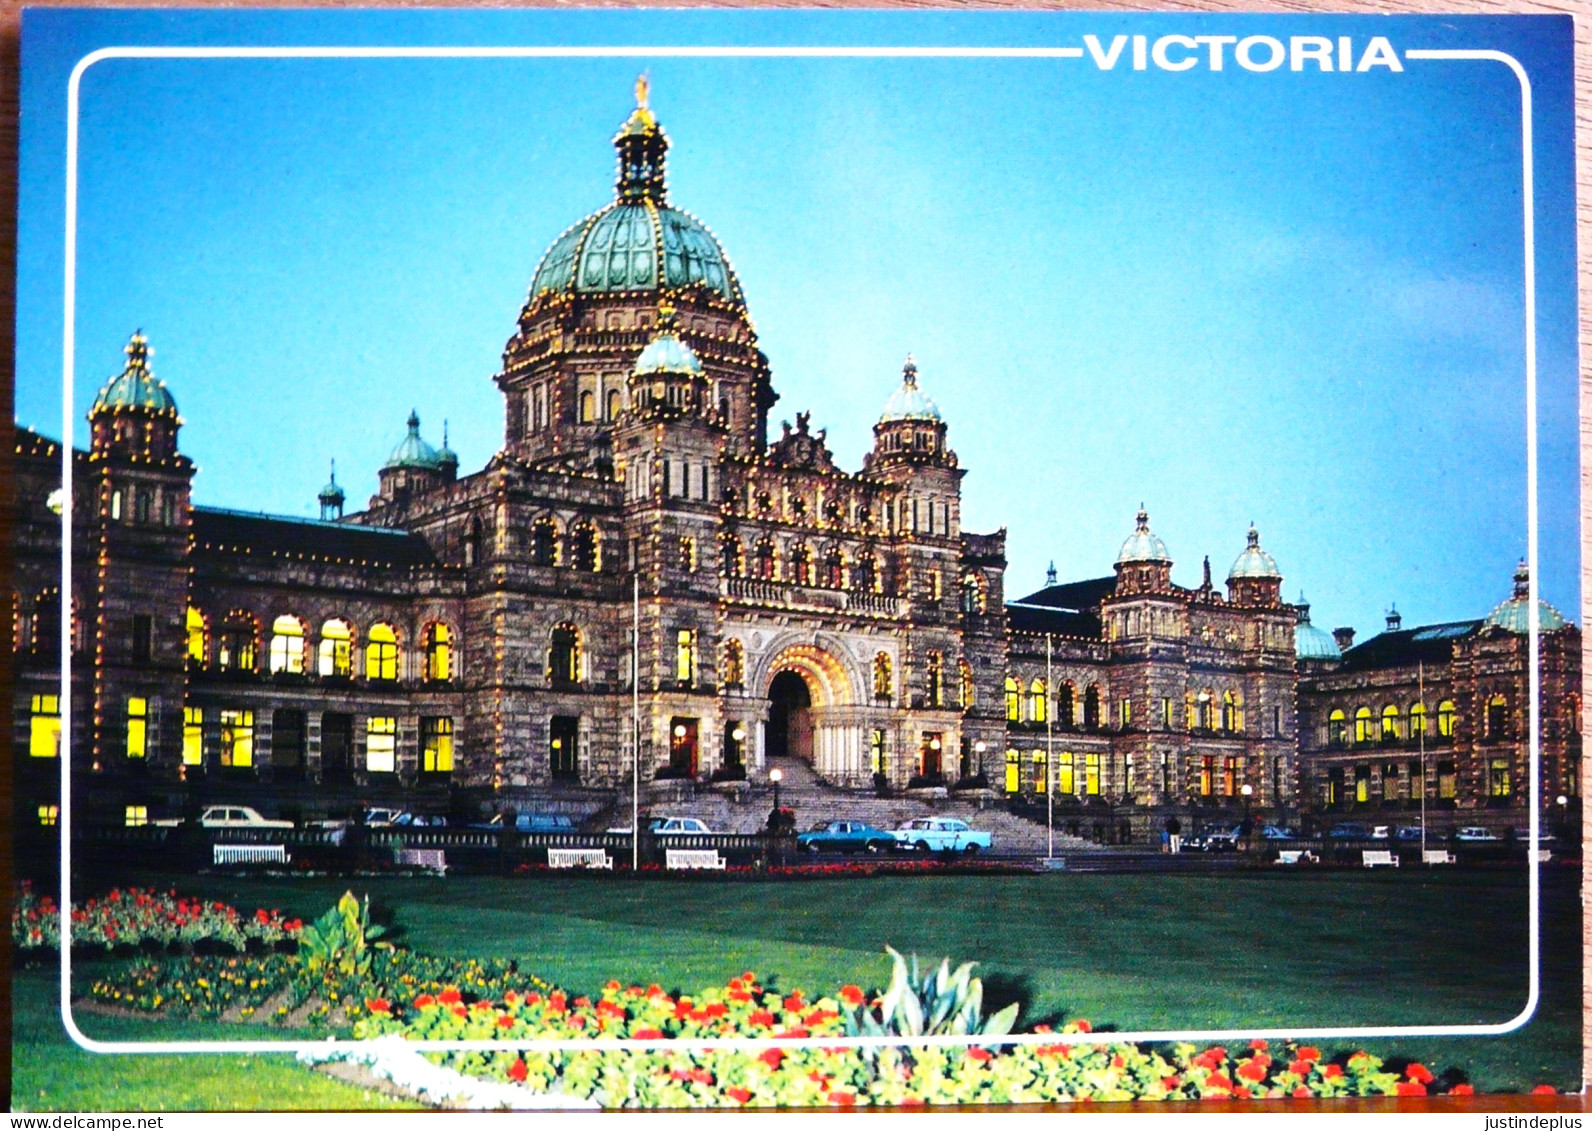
x,y
790,721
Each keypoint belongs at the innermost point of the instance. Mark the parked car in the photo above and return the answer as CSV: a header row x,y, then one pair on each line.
x,y
1412,832
1522,835
1213,840
381,818
532,823
845,836
1349,830
1381,832
1474,834
678,826
941,834
232,817
1279,832
407,820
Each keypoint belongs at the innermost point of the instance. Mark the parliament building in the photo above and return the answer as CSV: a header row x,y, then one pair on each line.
x,y
474,636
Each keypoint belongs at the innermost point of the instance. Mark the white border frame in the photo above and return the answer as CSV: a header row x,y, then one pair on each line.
x,y
648,52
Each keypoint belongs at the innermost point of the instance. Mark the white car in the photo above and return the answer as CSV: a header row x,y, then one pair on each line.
x,y
1473,833
231,817
941,834
678,826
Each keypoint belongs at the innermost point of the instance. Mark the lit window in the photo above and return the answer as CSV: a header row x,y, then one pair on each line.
x,y
136,816
1362,725
436,745
734,663
137,726
1125,713
439,653
1497,719
763,561
935,690
196,636
1417,719
801,565
688,555
381,745
1337,728
685,655
1362,783
563,656
237,739
1232,713
44,728
969,692
876,756
49,815
1390,723
236,652
1445,719
583,552
544,542
1013,772
1498,778
287,646
883,677
1039,780
193,750
1037,701
337,649
1014,710
588,408
381,653
1447,781
1207,774
1091,774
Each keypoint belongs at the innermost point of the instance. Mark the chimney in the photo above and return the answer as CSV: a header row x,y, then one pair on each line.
x,y
1345,638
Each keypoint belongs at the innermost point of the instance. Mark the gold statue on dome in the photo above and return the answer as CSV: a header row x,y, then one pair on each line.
x,y
641,91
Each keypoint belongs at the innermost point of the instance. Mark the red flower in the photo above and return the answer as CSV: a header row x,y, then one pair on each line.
x,y
533,998
749,978
1258,1045
1542,1090
819,1016
796,1031
715,1009
700,1076
1170,1082
842,1099
611,986
460,1011
647,1034
739,995
583,1001
1462,1090
739,1095
655,990
794,1002
517,1071
761,1017
735,983
1332,1071
1252,1071
1409,1088
771,1057
1219,1080
378,1005
449,996
1419,1073
1300,1067
505,1021
1085,1027
1302,1092
1118,1062
979,1055
424,1000
1309,1052
293,925
578,1021
851,995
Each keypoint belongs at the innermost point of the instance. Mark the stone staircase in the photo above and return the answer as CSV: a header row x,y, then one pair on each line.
x,y
816,801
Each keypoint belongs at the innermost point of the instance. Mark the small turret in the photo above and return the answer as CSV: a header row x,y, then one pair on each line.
x,y
1254,578
331,498
911,429
414,467
134,414
1143,565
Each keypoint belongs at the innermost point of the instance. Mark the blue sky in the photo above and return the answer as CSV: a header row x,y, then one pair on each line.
x,y
1287,298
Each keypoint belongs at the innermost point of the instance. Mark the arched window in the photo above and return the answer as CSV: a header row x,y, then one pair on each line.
x,y
734,663
972,595
835,568
1065,697
730,554
865,574
1497,718
801,562
1417,719
439,653
1205,711
883,678
1337,728
563,654
588,408
1232,714
1091,708
614,404
381,653
969,692
1363,725
1390,723
287,646
1038,701
196,637
583,553
763,560
935,689
1014,700
687,555
544,542
1445,719
239,639
337,649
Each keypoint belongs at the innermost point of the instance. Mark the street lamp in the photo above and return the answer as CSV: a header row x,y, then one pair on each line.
x,y
1246,828
978,762
776,775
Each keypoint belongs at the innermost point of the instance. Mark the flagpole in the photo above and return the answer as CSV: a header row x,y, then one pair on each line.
x,y
1420,697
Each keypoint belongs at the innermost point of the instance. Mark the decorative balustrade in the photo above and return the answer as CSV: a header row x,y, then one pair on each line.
x,y
812,597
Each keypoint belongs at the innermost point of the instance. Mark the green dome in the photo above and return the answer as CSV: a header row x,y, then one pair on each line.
x,y
1142,546
1514,615
135,387
666,353
639,242
412,451
909,402
1310,642
1254,562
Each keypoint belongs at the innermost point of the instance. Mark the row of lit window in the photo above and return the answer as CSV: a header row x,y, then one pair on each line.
x,y
581,549
1203,710
1075,774
236,647
1391,725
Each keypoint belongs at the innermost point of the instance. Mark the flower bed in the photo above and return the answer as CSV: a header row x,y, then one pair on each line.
x,y
133,917
843,1077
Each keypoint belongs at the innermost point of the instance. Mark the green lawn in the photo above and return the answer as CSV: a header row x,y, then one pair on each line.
x,y
1129,951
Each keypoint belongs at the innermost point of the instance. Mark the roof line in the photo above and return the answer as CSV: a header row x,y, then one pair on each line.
x,y
305,521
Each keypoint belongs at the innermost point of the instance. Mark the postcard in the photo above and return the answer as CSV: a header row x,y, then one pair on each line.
x,y
573,560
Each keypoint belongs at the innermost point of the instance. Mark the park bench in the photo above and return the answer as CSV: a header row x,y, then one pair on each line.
x,y
686,858
1438,856
579,858
248,854
1290,855
1378,858
429,859
1543,854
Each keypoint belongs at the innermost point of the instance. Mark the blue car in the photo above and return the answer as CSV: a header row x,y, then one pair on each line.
x,y
845,836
